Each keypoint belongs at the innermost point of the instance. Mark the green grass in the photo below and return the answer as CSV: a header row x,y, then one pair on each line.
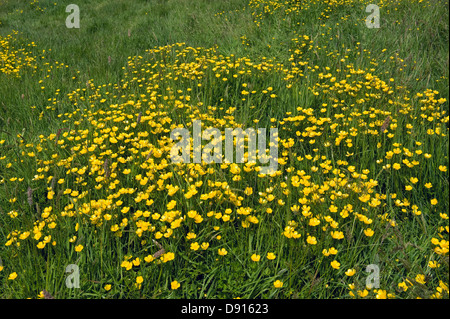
x,y
79,73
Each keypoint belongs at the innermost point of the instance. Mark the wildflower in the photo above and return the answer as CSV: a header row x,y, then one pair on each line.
x,y
168,257
195,246
363,293
337,234
381,294
107,287
350,272
139,281
79,248
174,285
442,168
190,235
255,257
12,276
420,279
222,251
271,256
311,240
368,232
149,258
335,264
433,264
402,285
278,284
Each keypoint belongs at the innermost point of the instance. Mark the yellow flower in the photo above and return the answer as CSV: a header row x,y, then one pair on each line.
x,y
204,245
368,232
403,286
136,262
113,140
311,240
190,236
442,168
107,287
333,251
433,264
420,279
139,281
271,256
333,209
363,293
222,251
79,248
12,276
174,285
168,257
381,294
278,284
337,234
255,257
350,272
149,258
195,246
335,264
434,201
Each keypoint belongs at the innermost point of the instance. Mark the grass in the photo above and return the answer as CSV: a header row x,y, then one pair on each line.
x,y
85,172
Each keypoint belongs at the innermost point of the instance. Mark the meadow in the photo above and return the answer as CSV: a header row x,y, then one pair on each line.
x,y
357,208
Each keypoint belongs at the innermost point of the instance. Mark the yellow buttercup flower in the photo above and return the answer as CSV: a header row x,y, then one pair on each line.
x,y
79,248
255,257
311,240
278,284
195,246
420,279
350,272
271,256
12,276
174,285
335,264
368,232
